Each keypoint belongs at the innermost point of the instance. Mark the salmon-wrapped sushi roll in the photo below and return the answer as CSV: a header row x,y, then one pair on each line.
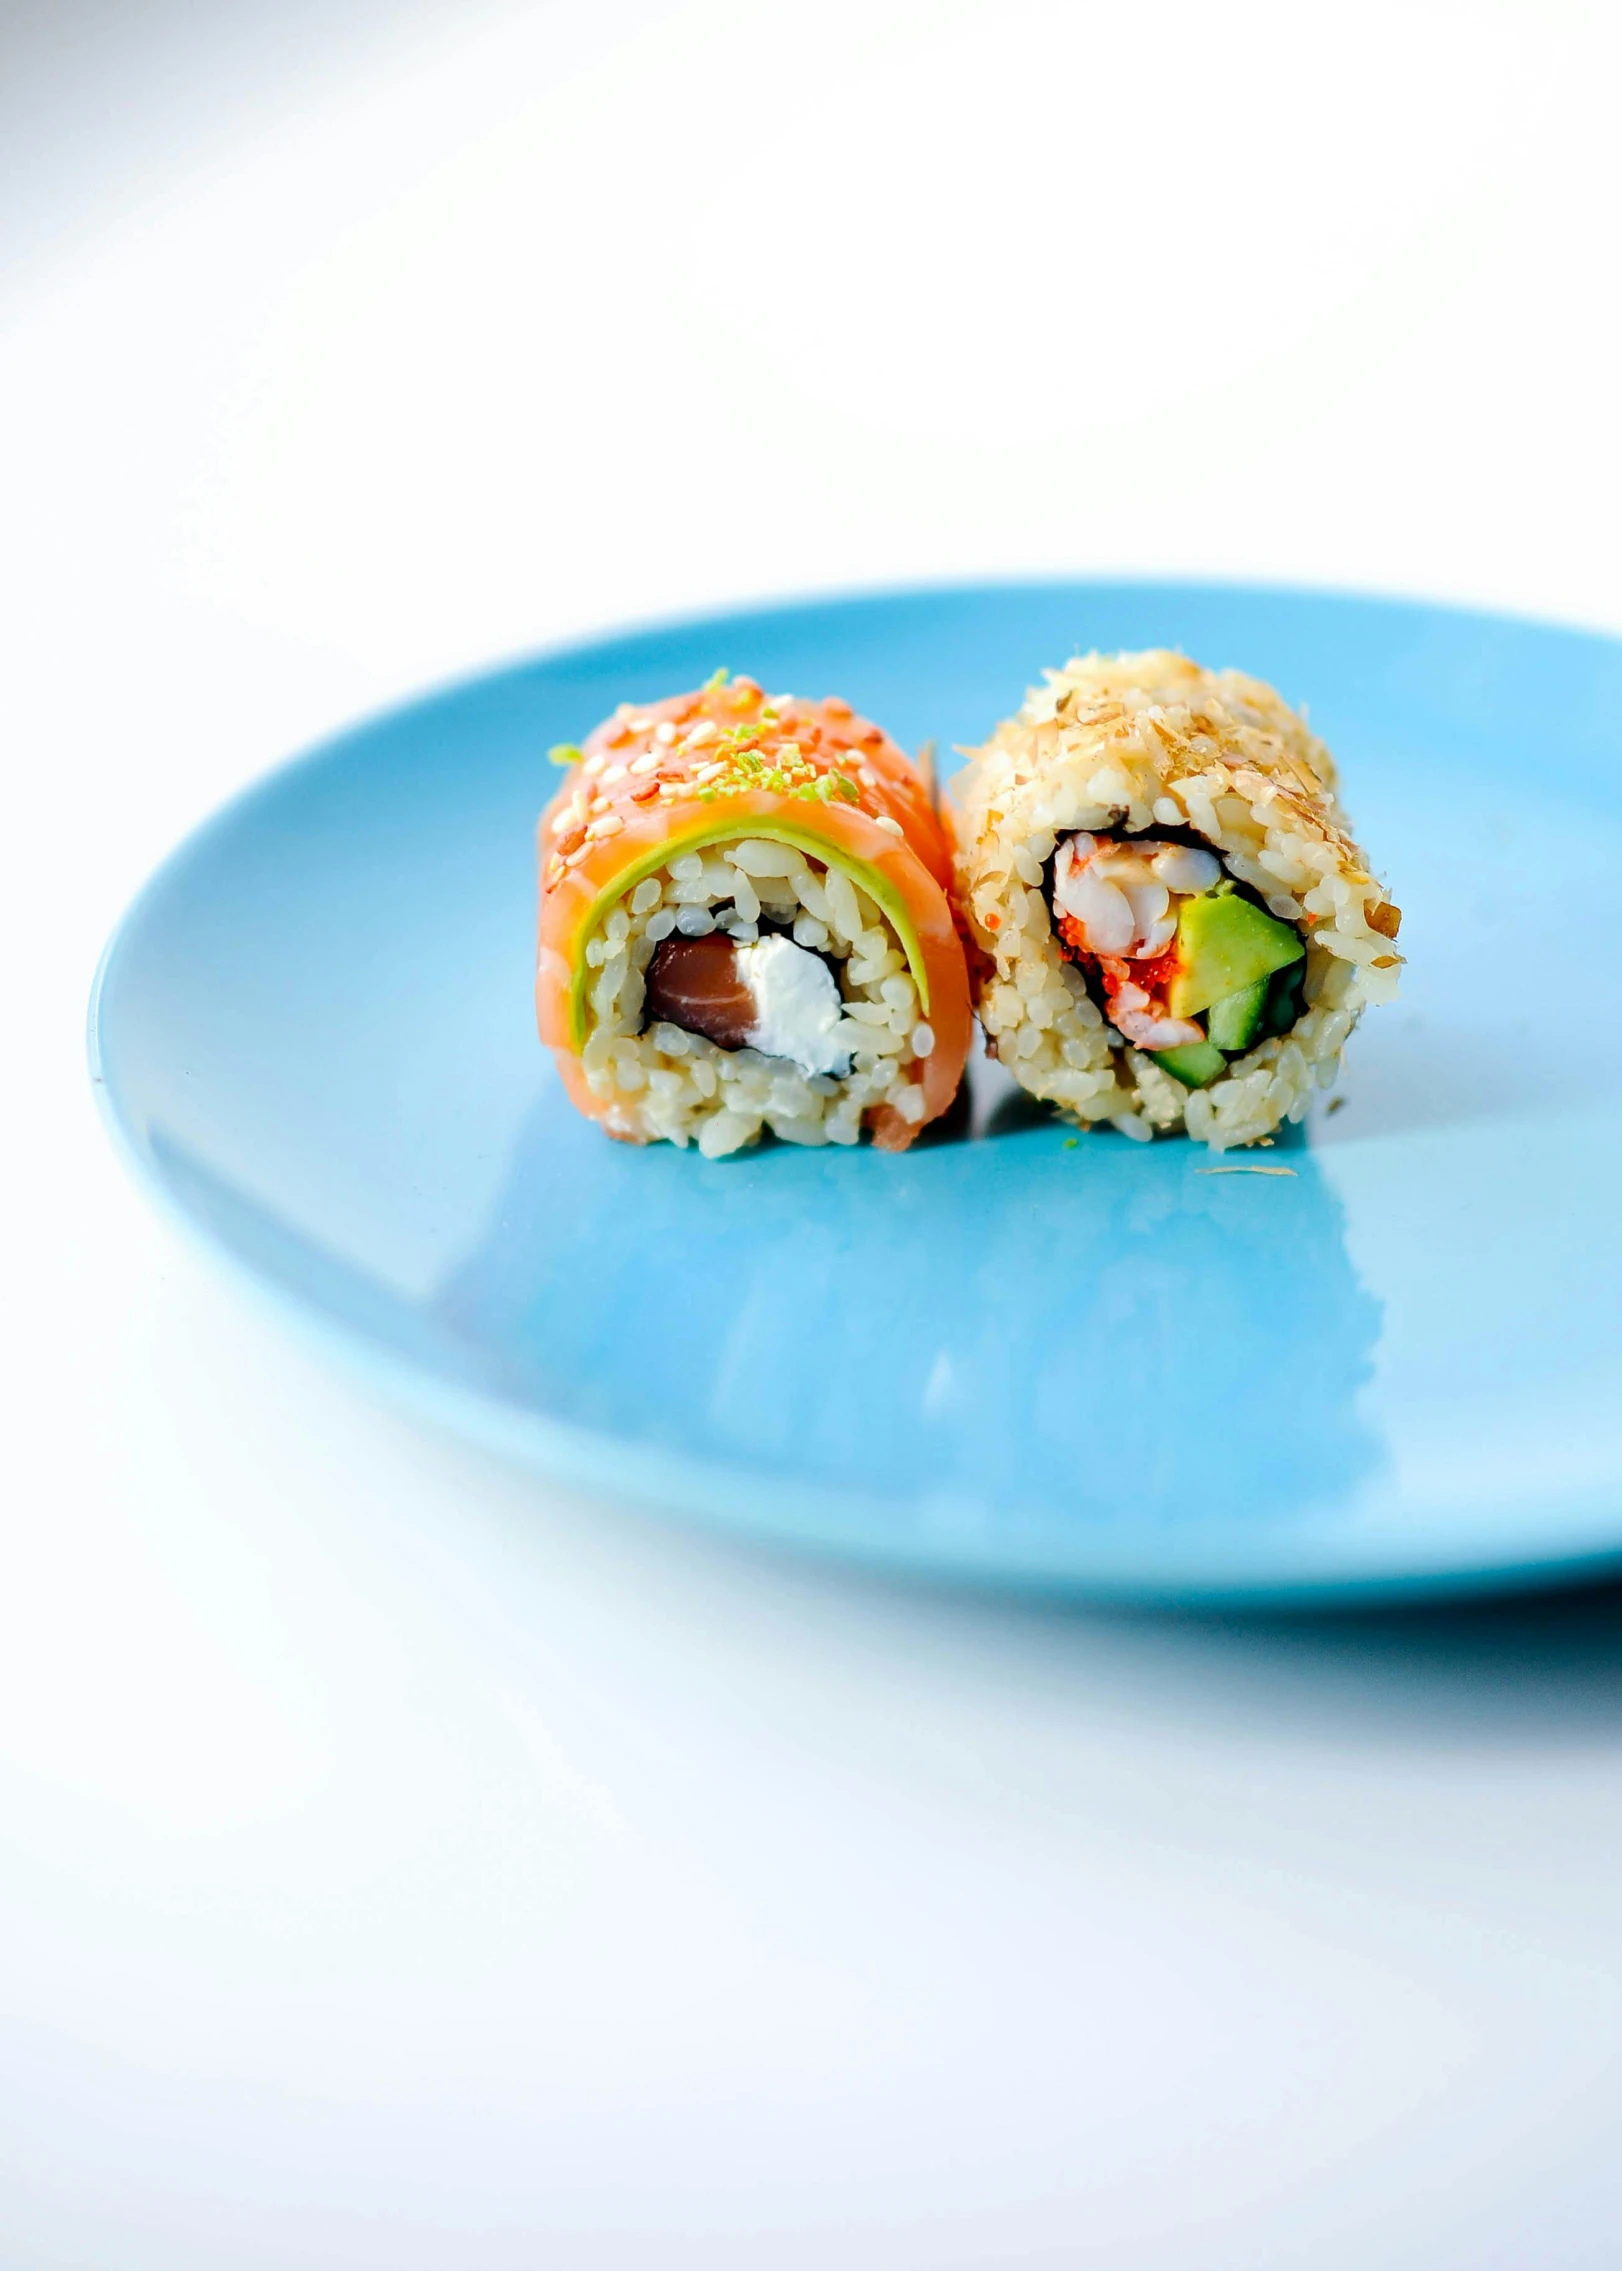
x,y
1174,928
746,924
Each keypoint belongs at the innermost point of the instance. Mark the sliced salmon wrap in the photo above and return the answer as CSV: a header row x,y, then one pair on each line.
x,y
1171,925
746,925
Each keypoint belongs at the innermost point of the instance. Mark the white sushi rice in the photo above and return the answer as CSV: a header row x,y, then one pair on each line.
x,y
1125,745
664,1083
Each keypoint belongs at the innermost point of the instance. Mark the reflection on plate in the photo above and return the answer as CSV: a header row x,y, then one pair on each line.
x,y
905,1324
1391,1363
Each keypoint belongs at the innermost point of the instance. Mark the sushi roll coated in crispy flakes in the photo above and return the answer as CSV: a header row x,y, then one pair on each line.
x,y
1171,925
745,925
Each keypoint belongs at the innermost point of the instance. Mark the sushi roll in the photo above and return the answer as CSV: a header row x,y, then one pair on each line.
x,y
746,924
1170,924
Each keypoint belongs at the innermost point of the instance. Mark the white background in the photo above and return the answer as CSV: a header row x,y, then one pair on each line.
x,y
406,1866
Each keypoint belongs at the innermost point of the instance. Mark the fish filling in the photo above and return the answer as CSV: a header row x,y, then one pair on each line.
x,y
1187,965
767,994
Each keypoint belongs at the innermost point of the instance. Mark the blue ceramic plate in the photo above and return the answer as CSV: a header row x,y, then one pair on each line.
x,y
1006,1357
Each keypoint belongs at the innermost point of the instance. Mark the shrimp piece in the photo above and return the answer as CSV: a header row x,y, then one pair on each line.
x,y
1117,903
1134,1014
1184,870
1120,894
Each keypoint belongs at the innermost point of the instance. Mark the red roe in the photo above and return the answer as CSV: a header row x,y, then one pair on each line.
x,y
1112,973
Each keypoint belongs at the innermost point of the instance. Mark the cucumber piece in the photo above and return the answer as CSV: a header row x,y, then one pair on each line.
x,y
1284,999
1196,1063
1234,1019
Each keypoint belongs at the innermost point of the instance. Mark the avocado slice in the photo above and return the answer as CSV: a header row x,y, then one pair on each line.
x,y
1224,944
1233,1020
1194,1064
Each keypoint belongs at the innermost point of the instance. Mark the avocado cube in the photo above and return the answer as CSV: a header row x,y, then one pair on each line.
x,y
1224,944
1234,1019
1194,1064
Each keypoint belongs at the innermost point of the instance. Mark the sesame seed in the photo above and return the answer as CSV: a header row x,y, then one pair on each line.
x,y
594,764
608,824
892,827
613,773
709,772
664,732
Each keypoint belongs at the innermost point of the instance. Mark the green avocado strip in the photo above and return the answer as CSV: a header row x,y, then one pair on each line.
x,y
882,892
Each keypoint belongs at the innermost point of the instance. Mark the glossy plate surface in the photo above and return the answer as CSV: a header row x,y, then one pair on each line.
x,y
1008,1357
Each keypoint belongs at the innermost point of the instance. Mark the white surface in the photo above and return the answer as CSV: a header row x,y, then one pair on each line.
x,y
407,1867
